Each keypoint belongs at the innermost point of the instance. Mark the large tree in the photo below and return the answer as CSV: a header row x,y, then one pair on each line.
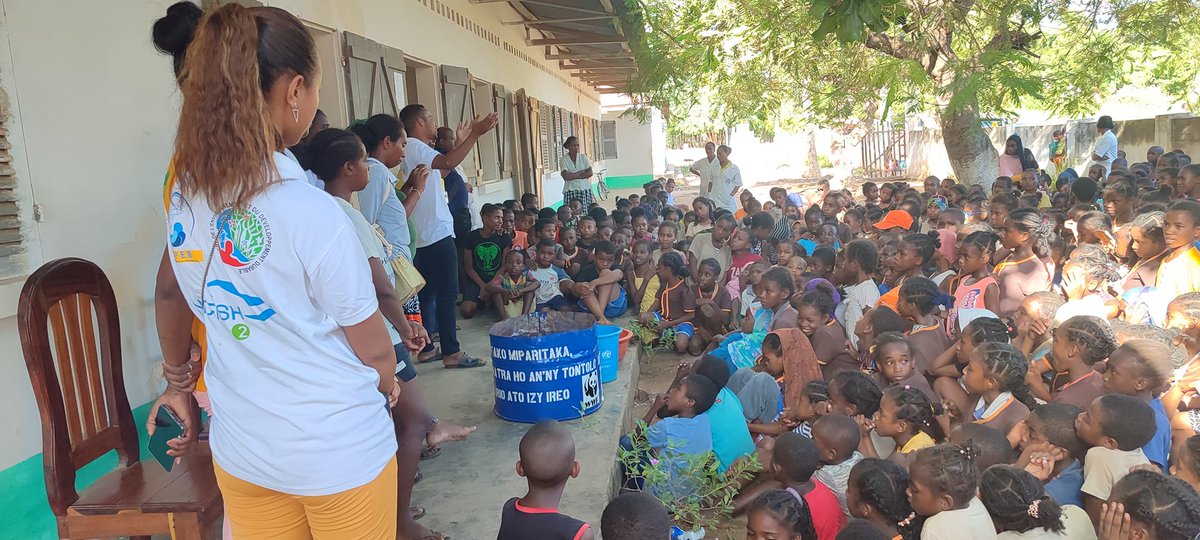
x,y
788,62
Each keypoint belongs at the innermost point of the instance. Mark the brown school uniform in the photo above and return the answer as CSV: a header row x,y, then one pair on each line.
x,y
1010,414
719,295
676,301
829,342
1018,279
913,380
783,318
927,343
1080,392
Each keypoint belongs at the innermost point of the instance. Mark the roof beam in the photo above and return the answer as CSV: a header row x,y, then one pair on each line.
x,y
597,64
544,3
578,39
537,23
613,55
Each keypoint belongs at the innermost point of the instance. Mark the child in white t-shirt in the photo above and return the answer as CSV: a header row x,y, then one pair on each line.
x,y
942,487
1116,427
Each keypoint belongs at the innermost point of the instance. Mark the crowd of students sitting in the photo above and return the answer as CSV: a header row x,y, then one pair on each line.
x,y
935,363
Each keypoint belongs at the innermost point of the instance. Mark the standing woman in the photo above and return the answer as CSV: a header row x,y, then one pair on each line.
x,y
576,174
300,383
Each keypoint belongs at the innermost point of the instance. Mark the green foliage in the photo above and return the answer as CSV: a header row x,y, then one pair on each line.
x,y
709,500
824,162
785,63
652,339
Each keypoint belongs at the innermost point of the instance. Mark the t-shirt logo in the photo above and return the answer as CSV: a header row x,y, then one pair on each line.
x,y
243,238
488,254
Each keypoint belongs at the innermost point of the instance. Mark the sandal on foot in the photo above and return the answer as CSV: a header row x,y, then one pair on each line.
x,y
417,479
433,355
430,452
466,362
416,512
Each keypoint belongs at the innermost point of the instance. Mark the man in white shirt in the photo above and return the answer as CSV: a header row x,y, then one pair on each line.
x,y
726,181
434,228
1105,150
704,169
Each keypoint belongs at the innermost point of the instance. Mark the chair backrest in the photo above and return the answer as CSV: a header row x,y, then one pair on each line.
x,y
71,338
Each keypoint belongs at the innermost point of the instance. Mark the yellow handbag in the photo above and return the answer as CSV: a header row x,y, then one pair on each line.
x,y
408,280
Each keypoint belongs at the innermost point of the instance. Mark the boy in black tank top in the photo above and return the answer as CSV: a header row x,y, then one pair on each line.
x,y
547,462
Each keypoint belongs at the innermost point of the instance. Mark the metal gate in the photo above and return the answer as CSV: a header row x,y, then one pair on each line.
x,y
885,153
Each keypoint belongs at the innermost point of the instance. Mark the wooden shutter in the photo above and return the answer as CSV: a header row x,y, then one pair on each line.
x,y
12,247
366,81
395,76
546,133
523,145
504,130
460,107
609,136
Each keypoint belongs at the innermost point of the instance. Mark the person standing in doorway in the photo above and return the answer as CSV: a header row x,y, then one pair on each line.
x,y
576,174
1105,150
457,188
726,180
434,228
704,168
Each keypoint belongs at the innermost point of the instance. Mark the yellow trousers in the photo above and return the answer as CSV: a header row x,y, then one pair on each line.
x,y
365,512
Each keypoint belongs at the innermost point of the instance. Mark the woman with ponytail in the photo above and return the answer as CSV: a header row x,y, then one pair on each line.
x,y
301,368
1024,271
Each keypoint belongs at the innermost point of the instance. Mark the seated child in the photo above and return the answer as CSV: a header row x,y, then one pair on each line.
x,y
596,288
1079,343
812,406
870,326
853,393
794,459
1020,507
549,295
779,514
996,374
942,485
574,257
907,417
635,516
586,231
994,447
547,463
1141,368
918,301
947,367
836,437
814,313
641,277
875,492
1155,506
1115,428
668,233
675,305
483,252
680,442
513,289
893,358
713,307
730,436
787,365
1052,451
741,349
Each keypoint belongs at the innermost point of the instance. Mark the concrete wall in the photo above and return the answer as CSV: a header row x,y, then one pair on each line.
x,y
635,163
93,111
927,151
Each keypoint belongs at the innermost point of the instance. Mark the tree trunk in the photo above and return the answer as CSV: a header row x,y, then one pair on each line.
x,y
972,155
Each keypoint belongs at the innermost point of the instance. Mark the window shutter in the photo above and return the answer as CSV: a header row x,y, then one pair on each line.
x,y
504,130
609,136
597,146
546,133
460,107
395,78
367,84
12,248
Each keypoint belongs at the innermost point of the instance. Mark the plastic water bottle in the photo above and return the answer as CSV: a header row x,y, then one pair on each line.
x,y
680,534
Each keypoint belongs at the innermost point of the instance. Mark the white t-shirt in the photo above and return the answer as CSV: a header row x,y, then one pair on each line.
x,y
1106,147
294,409
705,168
373,246
381,206
972,522
578,164
548,279
724,180
431,217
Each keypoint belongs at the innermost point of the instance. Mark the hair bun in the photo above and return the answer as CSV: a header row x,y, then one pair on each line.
x,y
173,32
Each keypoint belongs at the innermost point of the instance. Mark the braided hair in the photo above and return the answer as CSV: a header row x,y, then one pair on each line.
x,y
1188,305
857,389
1165,504
881,484
1151,224
923,293
914,407
1123,187
1017,501
1008,366
819,299
1092,335
988,330
1095,264
984,241
924,244
950,469
1039,227
787,509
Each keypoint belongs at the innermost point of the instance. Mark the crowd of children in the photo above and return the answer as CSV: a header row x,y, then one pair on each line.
x,y
953,362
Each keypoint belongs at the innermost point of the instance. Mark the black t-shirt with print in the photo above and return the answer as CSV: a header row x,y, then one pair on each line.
x,y
486,252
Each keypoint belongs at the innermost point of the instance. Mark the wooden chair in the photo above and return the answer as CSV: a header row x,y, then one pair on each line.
x,y
71,339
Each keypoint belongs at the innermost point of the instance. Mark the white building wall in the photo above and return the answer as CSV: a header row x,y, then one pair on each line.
x,y
635,148
93,109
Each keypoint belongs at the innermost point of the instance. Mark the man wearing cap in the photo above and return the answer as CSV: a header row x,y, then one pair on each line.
x,y
895,221
1105,150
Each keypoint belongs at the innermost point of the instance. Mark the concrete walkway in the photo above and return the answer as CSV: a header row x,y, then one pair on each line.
x,y
465,487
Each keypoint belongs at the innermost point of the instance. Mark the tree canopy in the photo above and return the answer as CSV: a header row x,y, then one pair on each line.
x,y
785,62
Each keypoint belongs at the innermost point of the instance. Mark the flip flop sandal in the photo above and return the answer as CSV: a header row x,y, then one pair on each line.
x,y
466,362
417,479
435,357
416,512
430,452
